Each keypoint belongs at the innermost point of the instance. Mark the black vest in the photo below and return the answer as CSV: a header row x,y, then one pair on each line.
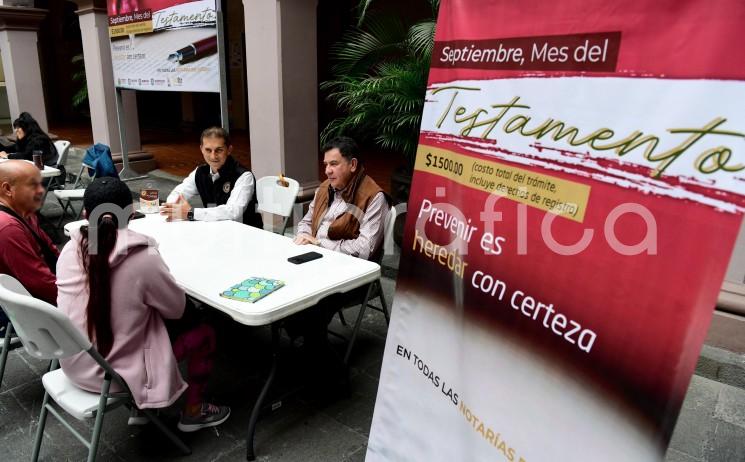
x,y
217,193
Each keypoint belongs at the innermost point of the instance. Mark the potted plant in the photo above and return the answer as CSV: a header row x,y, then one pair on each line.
x,y
379,82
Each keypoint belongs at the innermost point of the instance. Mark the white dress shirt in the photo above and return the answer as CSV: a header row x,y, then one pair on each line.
x,y
232,210
371,228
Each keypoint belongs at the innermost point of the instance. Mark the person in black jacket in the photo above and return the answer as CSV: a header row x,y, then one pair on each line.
x,y
29,138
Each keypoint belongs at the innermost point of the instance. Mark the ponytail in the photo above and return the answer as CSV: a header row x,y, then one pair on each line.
x,y
95,260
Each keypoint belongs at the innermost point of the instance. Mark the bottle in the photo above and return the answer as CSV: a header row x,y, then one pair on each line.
x,y
149,199
37,159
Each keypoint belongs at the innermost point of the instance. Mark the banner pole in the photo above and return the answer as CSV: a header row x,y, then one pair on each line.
x,y
224,118
126,174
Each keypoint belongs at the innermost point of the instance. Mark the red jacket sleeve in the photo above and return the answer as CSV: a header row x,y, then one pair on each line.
x,y
18,250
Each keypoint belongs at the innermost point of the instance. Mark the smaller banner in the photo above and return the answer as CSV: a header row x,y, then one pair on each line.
x,y
166,45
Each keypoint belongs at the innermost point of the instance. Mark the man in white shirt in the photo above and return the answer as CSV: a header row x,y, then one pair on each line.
x,y
227,189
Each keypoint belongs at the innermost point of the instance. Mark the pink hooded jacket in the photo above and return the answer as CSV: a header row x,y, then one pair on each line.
x,y
143,293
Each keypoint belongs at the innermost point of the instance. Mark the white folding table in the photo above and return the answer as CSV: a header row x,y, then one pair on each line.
x,y
48,171
207,258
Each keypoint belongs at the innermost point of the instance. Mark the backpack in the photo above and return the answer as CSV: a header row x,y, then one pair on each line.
x,y
98,157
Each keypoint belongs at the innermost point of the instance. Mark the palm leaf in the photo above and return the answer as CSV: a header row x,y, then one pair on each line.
x,y
422,38
379,80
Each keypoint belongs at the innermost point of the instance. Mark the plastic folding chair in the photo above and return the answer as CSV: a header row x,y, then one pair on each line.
x,y
10,342
277,196
66,197
374,290
62,147
47,333
58,182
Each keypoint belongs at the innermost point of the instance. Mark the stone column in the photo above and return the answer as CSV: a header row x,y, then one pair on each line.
x,y
94,29
283,88
20,55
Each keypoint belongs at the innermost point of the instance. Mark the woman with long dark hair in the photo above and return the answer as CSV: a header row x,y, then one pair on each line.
x,y
115,287
29,138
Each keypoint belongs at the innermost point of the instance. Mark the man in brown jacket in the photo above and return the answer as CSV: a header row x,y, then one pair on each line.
x,y
349,209
347,215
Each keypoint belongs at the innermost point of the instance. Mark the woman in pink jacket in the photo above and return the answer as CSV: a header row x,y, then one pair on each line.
x,y
114,286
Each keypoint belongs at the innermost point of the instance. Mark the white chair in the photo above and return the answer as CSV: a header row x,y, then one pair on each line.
x,y
47,333
10,342
374,290
58,182
66,197
276,198
62,146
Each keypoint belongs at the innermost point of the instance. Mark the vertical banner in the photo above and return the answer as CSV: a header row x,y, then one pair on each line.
x,y
578,188
166,45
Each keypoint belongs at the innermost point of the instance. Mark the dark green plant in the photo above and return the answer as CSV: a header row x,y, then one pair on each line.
x,y
80,97
379,80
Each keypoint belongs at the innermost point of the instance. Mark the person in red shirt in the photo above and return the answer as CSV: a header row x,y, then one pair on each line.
x,y
26,252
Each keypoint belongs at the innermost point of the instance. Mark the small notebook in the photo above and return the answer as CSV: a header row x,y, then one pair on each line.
x,y
252,289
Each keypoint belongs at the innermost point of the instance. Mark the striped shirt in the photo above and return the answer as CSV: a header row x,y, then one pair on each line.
x,y
371,227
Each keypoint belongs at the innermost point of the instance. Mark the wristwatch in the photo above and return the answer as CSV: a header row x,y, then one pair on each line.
x,y
190,215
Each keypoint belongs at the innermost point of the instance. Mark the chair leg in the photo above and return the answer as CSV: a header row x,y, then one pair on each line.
x,y
80,212
64,206
342,319
40,429
98,425
384,304
357,324
168,433
284,224
6,348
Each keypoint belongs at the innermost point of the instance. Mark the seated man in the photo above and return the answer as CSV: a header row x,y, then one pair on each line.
x,y
225,187
349,209
347,215
26,252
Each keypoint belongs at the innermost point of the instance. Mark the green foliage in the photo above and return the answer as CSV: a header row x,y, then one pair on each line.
x,y
379,80
80,97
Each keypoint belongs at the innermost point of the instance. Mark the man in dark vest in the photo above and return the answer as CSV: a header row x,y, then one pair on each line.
x,y
227,189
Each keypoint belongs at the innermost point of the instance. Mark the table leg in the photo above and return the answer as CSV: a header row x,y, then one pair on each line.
x,y
250,454
358,323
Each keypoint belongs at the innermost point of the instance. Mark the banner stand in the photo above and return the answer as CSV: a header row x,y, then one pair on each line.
x,y
126,174
224,117
567,242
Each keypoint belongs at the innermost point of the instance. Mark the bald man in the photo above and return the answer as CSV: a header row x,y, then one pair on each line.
x,y
26,252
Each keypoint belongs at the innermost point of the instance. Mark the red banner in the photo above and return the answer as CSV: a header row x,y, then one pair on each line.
x,y
577,194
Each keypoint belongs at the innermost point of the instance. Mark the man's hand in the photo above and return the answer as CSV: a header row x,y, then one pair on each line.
x,y
301,239
3,154
176,210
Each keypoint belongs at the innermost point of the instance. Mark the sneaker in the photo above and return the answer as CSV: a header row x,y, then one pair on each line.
x,y
137,417
210,416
